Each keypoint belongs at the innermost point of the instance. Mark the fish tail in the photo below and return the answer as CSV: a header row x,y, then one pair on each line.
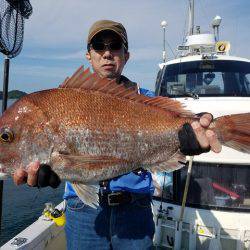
x,y
234,131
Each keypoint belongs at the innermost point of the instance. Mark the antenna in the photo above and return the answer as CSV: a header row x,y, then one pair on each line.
x,y
215,24
164,55
191,18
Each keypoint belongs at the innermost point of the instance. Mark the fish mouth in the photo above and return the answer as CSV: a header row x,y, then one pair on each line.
x,y
3,174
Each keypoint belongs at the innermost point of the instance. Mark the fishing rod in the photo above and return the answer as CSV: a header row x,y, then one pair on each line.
x,y
12,14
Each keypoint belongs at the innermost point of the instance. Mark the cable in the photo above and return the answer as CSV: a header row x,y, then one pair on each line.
x,y
171,49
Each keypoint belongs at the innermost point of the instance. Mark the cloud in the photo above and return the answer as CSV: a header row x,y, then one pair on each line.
x,y
55,56
37,77
137,54
55,34
148,53
65,22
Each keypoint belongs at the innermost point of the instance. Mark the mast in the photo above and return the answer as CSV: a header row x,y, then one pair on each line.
x,y
191,17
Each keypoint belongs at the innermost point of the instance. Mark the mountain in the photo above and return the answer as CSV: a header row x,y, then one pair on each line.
x,y
13,94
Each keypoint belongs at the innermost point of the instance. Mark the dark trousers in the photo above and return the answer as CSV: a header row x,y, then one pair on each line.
x,y
124,227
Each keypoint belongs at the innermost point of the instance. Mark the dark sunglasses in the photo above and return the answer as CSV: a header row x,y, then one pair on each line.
x,y
101,46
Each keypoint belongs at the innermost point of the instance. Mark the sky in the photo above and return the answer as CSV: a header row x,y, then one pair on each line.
x,y
55,35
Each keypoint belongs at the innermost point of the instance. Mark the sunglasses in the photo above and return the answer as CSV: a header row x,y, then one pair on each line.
x,y
112,46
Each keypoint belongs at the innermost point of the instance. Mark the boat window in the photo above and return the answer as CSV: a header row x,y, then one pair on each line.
x,y
212,185
205,78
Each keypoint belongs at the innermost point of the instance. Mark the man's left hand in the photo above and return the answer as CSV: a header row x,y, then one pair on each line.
x,y
196,138
206,138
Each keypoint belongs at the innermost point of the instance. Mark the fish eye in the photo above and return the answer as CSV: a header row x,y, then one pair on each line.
x,y
6,135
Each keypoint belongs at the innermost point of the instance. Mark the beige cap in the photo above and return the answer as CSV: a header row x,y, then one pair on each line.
x,y
102,25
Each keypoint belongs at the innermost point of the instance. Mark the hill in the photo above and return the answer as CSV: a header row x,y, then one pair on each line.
x,y
13,94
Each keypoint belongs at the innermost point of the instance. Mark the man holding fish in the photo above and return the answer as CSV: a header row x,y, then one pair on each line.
x,y
123,219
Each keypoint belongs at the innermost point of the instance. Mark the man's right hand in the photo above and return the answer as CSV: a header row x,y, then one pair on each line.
x,y
37,175
28,175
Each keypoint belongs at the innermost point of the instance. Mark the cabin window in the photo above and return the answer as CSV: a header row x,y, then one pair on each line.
x,y
211,185
204,78
245,82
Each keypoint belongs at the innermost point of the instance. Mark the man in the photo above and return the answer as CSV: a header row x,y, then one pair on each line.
x,y
124,219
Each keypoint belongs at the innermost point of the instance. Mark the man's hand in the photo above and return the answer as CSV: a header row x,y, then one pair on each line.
x,y
29,175
37,175
195,139
206,138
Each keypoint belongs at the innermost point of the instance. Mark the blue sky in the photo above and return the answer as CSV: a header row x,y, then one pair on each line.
x,y
55,36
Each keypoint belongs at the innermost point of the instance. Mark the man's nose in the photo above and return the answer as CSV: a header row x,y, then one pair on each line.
x,y
107,54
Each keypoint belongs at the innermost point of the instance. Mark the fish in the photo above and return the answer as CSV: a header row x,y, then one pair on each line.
x,y
92,129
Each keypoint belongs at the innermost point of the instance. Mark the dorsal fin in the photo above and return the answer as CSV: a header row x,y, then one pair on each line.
x,y
84,79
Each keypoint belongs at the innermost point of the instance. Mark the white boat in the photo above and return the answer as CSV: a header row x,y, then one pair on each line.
x,y
215,215
217,210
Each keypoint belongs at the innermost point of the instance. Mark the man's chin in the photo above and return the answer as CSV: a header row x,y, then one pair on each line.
x,y
110,75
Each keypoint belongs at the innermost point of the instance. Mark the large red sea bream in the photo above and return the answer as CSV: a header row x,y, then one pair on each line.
x,y
93,129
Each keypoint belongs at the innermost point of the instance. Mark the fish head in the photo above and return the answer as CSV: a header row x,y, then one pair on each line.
x,y
24,135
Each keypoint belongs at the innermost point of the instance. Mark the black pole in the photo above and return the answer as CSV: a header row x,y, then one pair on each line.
x,y
5,83
1,204
4,106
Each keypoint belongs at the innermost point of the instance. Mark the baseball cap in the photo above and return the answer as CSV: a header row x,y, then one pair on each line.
x,y
102,25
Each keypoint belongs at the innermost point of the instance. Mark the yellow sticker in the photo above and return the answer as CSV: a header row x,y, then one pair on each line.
x,y
222,46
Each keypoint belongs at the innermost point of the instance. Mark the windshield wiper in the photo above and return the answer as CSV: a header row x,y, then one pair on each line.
x,y
191,94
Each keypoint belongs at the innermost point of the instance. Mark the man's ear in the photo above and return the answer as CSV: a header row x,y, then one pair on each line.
x,y
126,56
88,57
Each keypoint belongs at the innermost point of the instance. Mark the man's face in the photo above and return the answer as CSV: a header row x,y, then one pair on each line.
x,y
108,62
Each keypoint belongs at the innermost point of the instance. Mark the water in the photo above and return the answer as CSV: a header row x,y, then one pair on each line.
x,y
22,205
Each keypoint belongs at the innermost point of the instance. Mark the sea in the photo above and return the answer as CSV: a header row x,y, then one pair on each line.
x,y
22,205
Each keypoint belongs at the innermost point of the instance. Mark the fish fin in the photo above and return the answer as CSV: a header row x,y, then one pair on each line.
x,y
76,80
177,161
88,194
64,83
87,161
84,79
234,131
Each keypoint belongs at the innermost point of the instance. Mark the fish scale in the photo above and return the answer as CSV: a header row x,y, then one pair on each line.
x,y
109,133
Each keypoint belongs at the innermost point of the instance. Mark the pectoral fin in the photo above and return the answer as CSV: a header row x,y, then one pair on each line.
x,y
88,194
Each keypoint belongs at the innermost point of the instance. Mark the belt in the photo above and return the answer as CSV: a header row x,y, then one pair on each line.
x,y
120,198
